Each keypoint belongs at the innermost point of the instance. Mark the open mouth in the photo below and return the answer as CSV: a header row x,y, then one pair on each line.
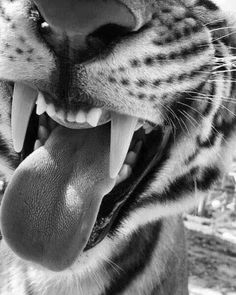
x,y
104,153
74,181
78,171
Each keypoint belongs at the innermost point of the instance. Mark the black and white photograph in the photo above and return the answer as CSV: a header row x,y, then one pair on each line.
x,y
117,147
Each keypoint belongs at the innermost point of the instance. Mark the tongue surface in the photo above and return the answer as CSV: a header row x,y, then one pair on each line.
x,y
51,204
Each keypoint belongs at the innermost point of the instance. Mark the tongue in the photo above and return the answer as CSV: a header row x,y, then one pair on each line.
x,y
51,204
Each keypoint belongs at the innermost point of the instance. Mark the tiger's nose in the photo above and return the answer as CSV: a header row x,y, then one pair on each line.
x,y
82,17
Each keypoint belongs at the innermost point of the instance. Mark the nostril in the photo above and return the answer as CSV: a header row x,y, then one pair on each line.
x,y
81,17
108,33
86,26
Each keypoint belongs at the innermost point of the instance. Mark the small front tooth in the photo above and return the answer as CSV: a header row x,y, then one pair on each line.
x,y
147,128
71,117
61,115
24,98
37,144
131,158
43,133
51,110
124,173
138,126
41,104
80,117
148,131
94,116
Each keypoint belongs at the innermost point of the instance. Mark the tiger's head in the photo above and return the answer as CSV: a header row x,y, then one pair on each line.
x,y
115,112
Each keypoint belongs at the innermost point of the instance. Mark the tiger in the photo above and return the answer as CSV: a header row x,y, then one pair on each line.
x,y
115,118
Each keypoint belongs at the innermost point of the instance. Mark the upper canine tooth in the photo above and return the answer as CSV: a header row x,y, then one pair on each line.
x,y
122,130
24,98
94,116
41,104
147,128
80,117
51,110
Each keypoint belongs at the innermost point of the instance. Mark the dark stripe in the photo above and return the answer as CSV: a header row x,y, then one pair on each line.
x,y
176,35
208,178
222,37
183,186
135,255
7,154
210,141
210,100
227,128
217,25
207,4
192,157
184,54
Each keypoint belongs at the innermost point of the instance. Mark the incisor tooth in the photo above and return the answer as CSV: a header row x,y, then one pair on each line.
x,y
122,130
61,115
41,104
71,117
80,117
24,98
94,116
51,110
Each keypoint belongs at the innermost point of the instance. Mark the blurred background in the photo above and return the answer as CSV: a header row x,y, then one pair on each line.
x,y
211,236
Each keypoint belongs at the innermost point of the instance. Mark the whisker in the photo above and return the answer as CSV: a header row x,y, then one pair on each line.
x,y
224,36
215,21
223,28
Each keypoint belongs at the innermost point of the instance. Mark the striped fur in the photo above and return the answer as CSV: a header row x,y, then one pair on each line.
x,y
179,72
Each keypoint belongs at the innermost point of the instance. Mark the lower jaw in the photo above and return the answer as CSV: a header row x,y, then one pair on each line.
x,y
136,166
138,162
